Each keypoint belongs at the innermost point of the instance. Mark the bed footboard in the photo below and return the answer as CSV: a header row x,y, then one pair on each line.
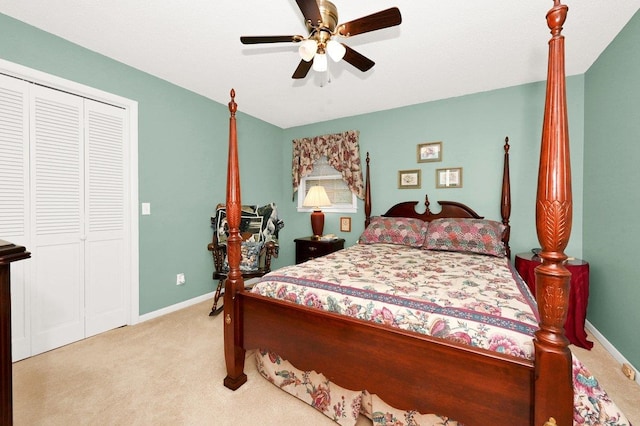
x,y
407,370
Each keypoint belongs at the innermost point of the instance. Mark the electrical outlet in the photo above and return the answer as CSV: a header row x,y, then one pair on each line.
x,y
180,279
628,371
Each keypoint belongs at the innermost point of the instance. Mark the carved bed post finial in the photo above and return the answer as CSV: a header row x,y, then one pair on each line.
x,y
233,106
427,204
554,209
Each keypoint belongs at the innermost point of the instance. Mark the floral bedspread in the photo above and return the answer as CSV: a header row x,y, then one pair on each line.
x,y
477,300
473,299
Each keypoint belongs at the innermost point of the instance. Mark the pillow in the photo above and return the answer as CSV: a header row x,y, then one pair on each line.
x,y
395,230
467,235
250,256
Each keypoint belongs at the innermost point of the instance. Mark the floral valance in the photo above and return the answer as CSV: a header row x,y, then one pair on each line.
x,y
342,151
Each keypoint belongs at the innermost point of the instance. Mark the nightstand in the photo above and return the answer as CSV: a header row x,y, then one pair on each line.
x,y
308,248
526,264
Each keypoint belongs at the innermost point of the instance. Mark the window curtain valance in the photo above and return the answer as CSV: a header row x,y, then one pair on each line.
x,y
342,151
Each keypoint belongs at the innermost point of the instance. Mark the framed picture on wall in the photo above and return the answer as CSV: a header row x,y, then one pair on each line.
x,y
409,179
429,152
449,178
345,224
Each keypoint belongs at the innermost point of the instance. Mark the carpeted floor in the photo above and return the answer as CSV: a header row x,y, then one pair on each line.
x,y
169,371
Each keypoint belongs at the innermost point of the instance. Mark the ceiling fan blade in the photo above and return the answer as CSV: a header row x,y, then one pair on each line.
x,y
269,39
303,69
357,60
310,11
376,21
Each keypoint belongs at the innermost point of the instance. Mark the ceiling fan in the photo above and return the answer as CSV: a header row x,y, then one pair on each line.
x,y
321,19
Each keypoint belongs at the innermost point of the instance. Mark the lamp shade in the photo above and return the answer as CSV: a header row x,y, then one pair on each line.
x,y
316,197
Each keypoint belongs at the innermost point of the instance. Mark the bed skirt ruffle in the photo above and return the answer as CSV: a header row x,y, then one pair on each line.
x,y
339,404
592,404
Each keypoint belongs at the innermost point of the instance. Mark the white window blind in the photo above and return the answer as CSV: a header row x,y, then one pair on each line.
x,y
341,197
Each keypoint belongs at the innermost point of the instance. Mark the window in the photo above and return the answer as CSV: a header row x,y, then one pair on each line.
x,y
342,199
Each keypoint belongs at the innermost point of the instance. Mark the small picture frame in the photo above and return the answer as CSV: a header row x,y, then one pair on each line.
x,y
429,152
409,179
345,224
449,178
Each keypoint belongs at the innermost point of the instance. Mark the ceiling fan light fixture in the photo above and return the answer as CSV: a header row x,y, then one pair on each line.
x,y
321,20
336,50
307,49
320,62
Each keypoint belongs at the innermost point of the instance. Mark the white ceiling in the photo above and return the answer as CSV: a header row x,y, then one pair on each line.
x,y
442,49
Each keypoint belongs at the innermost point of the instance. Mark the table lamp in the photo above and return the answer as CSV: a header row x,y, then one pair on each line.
x,y
316,198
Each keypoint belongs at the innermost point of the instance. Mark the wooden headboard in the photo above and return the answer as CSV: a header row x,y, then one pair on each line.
x,y
447,208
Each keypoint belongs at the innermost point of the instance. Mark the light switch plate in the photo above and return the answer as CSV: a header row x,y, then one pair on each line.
x,y
146,209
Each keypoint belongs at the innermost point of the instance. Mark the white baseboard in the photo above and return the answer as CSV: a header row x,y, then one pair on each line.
x,y
610,348
185,304
176,307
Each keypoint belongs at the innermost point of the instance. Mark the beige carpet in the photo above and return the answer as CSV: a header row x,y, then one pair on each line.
x,y
169,371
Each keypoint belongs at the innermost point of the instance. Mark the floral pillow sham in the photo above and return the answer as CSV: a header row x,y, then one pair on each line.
x,y
466,235
395,230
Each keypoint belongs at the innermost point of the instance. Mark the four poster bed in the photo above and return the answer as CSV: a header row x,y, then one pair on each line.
x,y
440,373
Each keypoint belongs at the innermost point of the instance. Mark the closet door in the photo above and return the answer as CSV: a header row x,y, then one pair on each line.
x,y
57,212
107,256
65,189
14,200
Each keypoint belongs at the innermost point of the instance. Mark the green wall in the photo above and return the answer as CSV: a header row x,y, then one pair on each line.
x,y
182,154
472,129
611,180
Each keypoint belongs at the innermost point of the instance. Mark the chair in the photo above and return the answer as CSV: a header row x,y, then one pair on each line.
x,y
259,227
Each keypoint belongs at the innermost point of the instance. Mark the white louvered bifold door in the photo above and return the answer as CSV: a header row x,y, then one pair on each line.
x,y
57,192
106,252
65,195
14,200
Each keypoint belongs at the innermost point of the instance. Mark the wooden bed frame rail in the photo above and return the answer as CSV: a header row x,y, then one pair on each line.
x,y
413,371
406,369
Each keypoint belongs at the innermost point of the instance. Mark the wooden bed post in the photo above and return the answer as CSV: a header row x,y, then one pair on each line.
x,y
553,385
505,205
233,351
367,195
